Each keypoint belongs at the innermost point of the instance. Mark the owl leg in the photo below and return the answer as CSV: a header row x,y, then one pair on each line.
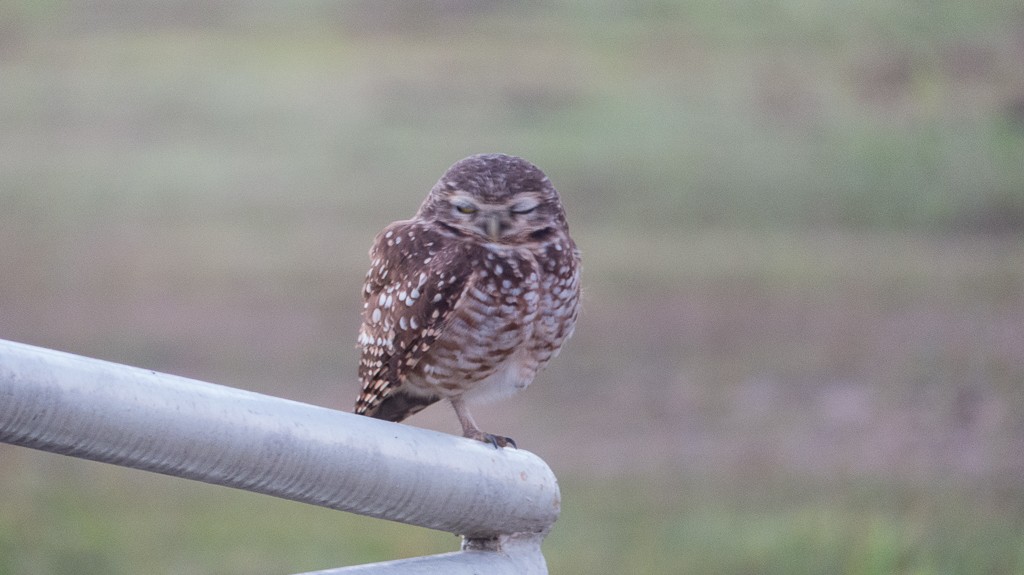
x,y
470,429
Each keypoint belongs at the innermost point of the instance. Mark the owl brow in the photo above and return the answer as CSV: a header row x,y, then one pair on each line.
x,y
459,194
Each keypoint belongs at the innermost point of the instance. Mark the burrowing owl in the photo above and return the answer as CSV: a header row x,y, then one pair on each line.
x,y
472,297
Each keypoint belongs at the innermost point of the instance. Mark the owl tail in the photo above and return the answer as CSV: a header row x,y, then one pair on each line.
x,y
400,405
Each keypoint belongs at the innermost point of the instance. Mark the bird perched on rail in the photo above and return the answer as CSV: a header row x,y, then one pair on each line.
x,y
473,296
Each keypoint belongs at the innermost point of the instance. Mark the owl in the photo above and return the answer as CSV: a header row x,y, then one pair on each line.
x,y
470,299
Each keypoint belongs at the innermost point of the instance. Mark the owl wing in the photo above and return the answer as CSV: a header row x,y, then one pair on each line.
x,y
413,286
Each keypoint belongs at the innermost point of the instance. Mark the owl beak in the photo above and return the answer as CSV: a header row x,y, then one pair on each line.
x,y
494,226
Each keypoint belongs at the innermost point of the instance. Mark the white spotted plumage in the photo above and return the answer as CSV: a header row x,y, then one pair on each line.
x,y
472,297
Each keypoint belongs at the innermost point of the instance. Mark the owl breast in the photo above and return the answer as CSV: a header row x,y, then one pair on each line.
x,y
511,318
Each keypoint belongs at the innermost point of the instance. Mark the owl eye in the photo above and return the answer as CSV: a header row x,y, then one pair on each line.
x,y
524,208
465,208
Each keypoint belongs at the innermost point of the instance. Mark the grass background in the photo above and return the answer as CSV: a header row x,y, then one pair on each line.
x,y
802,345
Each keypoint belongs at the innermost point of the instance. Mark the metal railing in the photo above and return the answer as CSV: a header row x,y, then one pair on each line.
x,y
502,501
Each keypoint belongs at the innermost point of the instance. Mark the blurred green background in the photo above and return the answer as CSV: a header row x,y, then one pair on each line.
x,y
802,343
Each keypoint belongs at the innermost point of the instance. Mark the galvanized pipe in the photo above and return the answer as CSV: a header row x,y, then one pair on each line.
x,y
127,416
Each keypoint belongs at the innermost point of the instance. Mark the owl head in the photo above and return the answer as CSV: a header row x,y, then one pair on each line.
x,y
495,198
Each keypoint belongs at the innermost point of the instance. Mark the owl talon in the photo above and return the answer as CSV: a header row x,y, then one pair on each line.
x,y
498,441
